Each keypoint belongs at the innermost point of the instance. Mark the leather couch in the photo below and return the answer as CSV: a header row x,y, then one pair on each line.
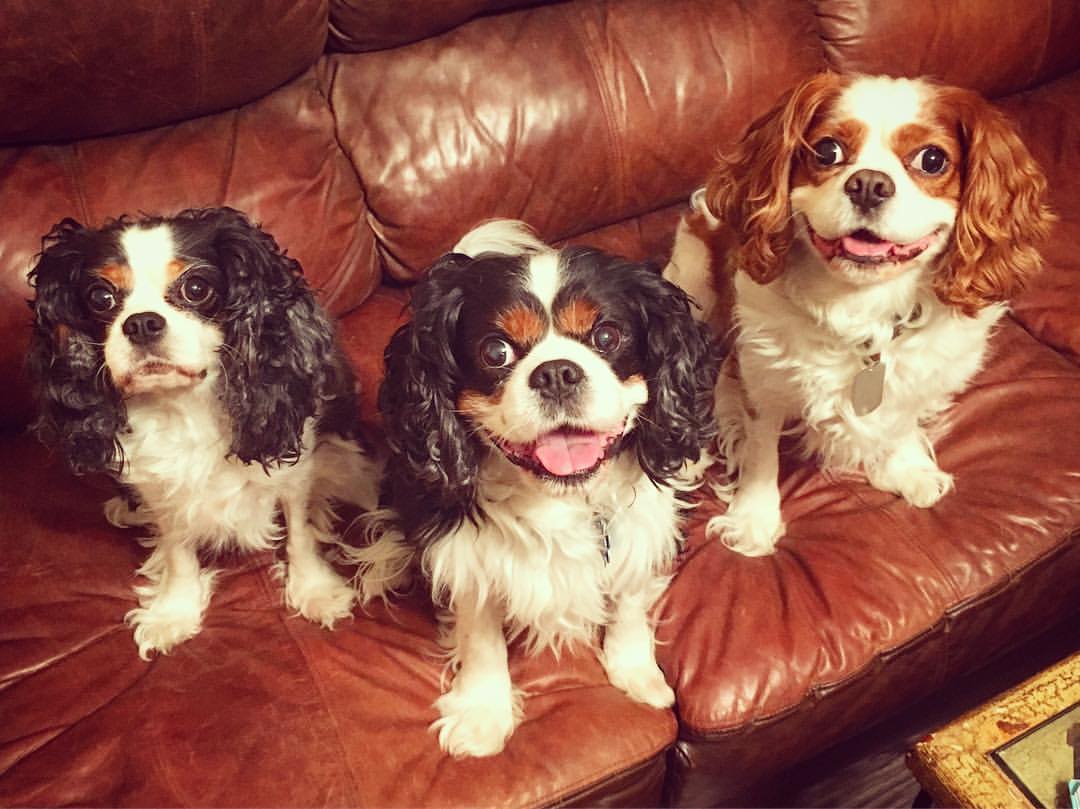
x,y
367,136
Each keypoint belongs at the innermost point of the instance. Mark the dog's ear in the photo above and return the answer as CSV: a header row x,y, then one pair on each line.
x,y
417,395
279,346
749,189
79,409
681,364
1002,219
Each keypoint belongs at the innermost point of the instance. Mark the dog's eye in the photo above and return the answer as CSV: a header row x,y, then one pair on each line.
x,y
828,152
606,337
101,298
495,352
196,290
930,160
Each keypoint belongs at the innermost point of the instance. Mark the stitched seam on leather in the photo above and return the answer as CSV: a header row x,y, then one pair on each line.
x,y
591,38
69,156
590,785
354,781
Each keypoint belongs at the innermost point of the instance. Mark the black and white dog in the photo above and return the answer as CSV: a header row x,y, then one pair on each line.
x,y
539,409
187,357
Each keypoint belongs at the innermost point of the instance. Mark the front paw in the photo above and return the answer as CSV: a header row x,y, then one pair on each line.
x,y
750,531
475,724
162,625
643,683
922,484
318,593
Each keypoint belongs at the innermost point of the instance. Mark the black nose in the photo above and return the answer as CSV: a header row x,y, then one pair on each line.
x,y
555,379
144,328
867,189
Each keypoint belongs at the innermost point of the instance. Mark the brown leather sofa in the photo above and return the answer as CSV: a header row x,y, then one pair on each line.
x,y
367,136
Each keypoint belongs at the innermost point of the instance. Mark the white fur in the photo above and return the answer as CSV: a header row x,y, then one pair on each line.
x,y
195,498
801,340
504,236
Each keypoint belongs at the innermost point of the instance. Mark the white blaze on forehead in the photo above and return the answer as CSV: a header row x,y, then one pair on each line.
x,y
544,277
882,102
149,252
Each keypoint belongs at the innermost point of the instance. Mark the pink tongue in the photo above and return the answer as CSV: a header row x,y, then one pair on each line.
x,y
569,453
858,247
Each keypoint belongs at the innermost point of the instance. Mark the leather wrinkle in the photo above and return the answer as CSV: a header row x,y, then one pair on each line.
x,y
265,576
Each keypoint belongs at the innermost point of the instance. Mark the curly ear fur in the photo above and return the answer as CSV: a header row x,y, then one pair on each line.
x,y
749,188
681,365
1002,217
279,358
416,397
79,410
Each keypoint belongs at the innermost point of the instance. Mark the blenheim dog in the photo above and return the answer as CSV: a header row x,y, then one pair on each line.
x,y
858,247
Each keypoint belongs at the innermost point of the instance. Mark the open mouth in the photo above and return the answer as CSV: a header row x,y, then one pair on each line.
x,y
865,247
567,453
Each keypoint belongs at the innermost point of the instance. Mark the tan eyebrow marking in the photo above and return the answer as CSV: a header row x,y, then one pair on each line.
x,y
522,324
119,275
577,317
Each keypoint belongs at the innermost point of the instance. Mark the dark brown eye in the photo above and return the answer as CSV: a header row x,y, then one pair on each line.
x,y
930,160
495,352
606,337
101,298
828,152
196,290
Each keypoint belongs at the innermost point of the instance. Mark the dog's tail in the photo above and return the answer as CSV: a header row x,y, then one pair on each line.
x,y
509,237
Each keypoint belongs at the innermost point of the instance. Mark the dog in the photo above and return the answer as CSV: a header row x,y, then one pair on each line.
x,y
539,409
856,250
186,357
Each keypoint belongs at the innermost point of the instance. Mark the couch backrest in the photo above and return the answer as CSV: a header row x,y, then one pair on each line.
x,y
591,119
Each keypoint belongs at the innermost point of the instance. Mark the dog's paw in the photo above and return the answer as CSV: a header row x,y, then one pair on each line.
x,y
642,683
922,483
924,486
475,724
318,593
748,531
162,625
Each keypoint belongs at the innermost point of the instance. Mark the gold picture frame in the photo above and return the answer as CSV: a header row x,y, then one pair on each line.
x,y
957,764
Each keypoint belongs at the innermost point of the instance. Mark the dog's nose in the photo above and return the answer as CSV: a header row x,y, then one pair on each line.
x,y
867,189
144,328
555,379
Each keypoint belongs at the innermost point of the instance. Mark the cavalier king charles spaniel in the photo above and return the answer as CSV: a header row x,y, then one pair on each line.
x,y
186,357
539,408
857,248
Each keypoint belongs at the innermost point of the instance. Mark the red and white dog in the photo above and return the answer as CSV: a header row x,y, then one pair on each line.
x,y
859,244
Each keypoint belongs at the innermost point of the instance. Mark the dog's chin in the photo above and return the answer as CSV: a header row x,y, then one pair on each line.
x,y
155,375
863,257
567,456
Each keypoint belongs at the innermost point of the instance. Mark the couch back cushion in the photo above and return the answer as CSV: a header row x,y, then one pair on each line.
x,y
72,69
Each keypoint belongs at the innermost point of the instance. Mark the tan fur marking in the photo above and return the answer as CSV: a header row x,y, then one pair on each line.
x,y
119,275
577,317
522,325
475,404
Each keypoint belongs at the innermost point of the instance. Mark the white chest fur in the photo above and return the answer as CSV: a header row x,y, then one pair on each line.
x,y
539,553
176,456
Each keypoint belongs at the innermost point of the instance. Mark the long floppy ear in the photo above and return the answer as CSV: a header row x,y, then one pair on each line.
x,y
681,365
416,397
79,409
1003,217
279,350
749,189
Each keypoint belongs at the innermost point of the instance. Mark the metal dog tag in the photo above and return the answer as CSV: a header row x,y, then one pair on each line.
x,y
868,388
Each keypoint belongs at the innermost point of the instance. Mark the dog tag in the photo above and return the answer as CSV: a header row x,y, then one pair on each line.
x,y
868,388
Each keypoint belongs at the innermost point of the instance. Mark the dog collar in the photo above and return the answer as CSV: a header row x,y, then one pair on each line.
x,y
868,386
